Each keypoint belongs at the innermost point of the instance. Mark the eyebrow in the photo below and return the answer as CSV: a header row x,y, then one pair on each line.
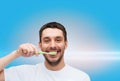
x,y
58,37
46,38
49,37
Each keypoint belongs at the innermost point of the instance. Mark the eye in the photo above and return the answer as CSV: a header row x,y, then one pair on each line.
x,y
46,40
58,40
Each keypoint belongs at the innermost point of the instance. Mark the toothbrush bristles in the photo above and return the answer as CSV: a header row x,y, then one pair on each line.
x,y
51,53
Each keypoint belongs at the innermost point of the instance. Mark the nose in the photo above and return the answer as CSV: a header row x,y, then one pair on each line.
x,y
53,45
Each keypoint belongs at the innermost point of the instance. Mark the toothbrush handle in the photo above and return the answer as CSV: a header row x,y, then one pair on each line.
x,y
41,52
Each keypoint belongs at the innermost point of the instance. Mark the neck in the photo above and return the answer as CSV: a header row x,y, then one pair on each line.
x,y
59,66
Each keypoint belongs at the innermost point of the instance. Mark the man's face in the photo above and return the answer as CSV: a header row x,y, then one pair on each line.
x,y
53,40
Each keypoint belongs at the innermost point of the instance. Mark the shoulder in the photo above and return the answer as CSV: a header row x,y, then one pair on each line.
x,y
73,69
25,66
78,73
21,68
27,72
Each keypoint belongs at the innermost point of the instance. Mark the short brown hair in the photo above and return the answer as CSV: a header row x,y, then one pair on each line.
x,y
53,25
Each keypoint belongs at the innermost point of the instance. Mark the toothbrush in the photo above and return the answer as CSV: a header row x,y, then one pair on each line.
x,y
51,53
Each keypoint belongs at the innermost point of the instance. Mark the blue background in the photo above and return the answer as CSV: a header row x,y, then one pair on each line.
x,y
92,26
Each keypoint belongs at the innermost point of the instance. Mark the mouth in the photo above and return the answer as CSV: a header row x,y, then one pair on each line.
x,y
56,51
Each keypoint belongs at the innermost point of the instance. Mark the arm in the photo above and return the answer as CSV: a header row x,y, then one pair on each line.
x,y
5,61
25,50
2,75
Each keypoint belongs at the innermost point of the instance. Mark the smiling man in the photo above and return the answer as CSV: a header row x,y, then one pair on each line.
x,y
53,38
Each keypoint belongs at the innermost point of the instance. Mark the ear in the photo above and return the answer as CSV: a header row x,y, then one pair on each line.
x,y
66,44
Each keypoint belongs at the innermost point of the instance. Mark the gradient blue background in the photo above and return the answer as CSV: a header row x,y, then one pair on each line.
x,y
92,26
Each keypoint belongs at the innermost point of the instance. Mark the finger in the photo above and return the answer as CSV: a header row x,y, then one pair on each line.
x,y
24,50
35,50
21,50
28,47
30,50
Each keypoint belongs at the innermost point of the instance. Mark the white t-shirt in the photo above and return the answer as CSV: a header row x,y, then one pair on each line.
x,y
39,72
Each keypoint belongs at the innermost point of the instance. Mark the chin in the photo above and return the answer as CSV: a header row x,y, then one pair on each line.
x,y
53,59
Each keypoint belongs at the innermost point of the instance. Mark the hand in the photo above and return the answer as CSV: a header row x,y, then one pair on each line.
x,y
27,50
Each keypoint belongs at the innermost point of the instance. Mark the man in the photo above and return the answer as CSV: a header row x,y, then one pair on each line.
x,y
53,38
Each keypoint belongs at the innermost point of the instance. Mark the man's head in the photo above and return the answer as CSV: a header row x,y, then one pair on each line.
x,y
53,37
53,25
